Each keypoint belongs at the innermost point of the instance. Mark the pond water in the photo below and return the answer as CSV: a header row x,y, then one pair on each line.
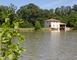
x,y
50,46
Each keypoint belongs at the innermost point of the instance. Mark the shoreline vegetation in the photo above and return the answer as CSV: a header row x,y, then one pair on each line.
x,y
32,29
42,29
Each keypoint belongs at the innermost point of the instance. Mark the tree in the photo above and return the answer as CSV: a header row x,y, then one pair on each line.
x,y
37,25
57,11
11,9
68,10
31,13
72,19
2,8
75,8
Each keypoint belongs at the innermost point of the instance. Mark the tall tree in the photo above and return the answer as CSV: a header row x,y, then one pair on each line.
x,y
75,8
57,11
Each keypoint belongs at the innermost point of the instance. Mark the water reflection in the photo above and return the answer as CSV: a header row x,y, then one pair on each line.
x,y
55,39
55,31
50,46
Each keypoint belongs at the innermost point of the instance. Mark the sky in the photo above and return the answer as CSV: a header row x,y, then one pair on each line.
x,y
44,4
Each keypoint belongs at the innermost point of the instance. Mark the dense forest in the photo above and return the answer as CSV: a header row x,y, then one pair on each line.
x,y
31,14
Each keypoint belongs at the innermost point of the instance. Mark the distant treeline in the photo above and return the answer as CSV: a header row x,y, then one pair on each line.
x,y
32,14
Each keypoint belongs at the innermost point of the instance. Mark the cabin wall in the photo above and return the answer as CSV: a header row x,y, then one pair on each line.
x,y
55,25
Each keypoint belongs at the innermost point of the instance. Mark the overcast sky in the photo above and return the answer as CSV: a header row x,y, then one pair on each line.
x,y
44,4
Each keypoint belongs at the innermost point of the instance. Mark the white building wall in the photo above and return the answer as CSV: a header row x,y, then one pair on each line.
x,y
55,25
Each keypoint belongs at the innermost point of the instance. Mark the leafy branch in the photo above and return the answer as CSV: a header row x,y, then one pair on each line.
x,y
10,50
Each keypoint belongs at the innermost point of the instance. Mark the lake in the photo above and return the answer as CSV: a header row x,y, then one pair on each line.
x,y
50,46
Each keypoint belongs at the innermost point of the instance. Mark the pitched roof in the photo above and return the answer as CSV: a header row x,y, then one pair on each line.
x,y
52,20
62,23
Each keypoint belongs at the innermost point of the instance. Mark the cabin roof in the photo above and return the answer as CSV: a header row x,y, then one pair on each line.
x,y
62,23
52,20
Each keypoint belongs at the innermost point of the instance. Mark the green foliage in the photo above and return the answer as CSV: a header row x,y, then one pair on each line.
x,y
37,25
75,26
11,9
75,8
26,24
10,50
67,15
31,13
72,19
63,10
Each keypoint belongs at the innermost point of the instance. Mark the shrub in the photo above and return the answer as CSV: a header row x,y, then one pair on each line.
x,y
37,25
75,26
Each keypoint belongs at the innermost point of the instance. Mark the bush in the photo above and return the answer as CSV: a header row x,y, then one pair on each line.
x,y
37,25
75,26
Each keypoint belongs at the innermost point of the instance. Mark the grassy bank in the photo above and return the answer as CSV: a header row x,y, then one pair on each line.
x,y
32,29
25,29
